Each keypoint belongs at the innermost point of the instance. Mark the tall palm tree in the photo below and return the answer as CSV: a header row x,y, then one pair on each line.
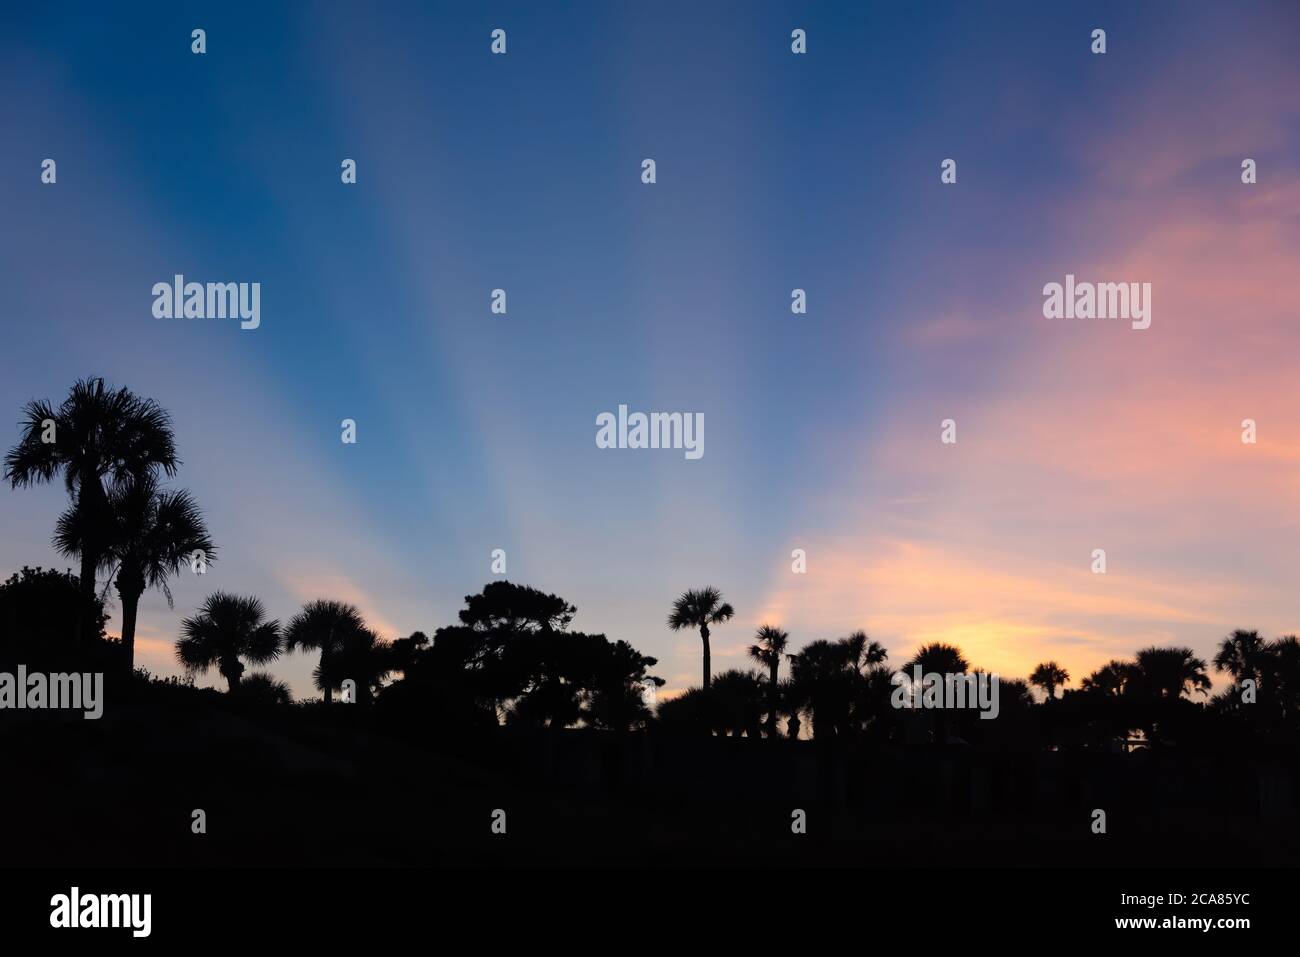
x,y
771,645
1048,676
151,533
700,609
96,434
323,625
226,629
1242,655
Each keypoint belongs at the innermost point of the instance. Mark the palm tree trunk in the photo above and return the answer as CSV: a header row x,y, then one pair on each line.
x,y
85,612
325,674
130,586
232,671
88,502
704,637
772,704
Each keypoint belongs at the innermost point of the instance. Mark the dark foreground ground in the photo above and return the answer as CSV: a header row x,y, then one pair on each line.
x,y
307,787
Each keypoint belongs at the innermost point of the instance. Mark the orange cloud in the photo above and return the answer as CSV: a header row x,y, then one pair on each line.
x,y
308,584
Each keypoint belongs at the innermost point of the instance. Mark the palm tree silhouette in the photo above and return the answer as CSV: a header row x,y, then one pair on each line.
x,y
736,707
1284,675
97,433
822,683
771,645
150,534
1170,672
940,659
226,629
700,609
324,625
861,652
1048,676
1110,679
1243,655
362,657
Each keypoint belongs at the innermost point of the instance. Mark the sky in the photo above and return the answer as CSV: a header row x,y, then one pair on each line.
x,y
775,171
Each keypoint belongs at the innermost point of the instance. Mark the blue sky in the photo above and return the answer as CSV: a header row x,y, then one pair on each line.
x,y
775,171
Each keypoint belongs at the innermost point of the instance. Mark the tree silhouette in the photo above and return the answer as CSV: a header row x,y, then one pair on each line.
x,y
39,618
1170,672
686,713
837,683
614,679
446,686
512,657
226,629
1243,655
264,690
863,657
1108,705
1110,679
1152,697
940,658
733,707
360,657
700,609
558,678
506,607
1049,676
736,706
1283,677
873,707
404,652
861,652
1274,667
150,534
323,625
510,630
768,651
822,685
96,434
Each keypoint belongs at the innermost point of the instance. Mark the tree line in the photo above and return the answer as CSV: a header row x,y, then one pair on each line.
x,y
512,658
